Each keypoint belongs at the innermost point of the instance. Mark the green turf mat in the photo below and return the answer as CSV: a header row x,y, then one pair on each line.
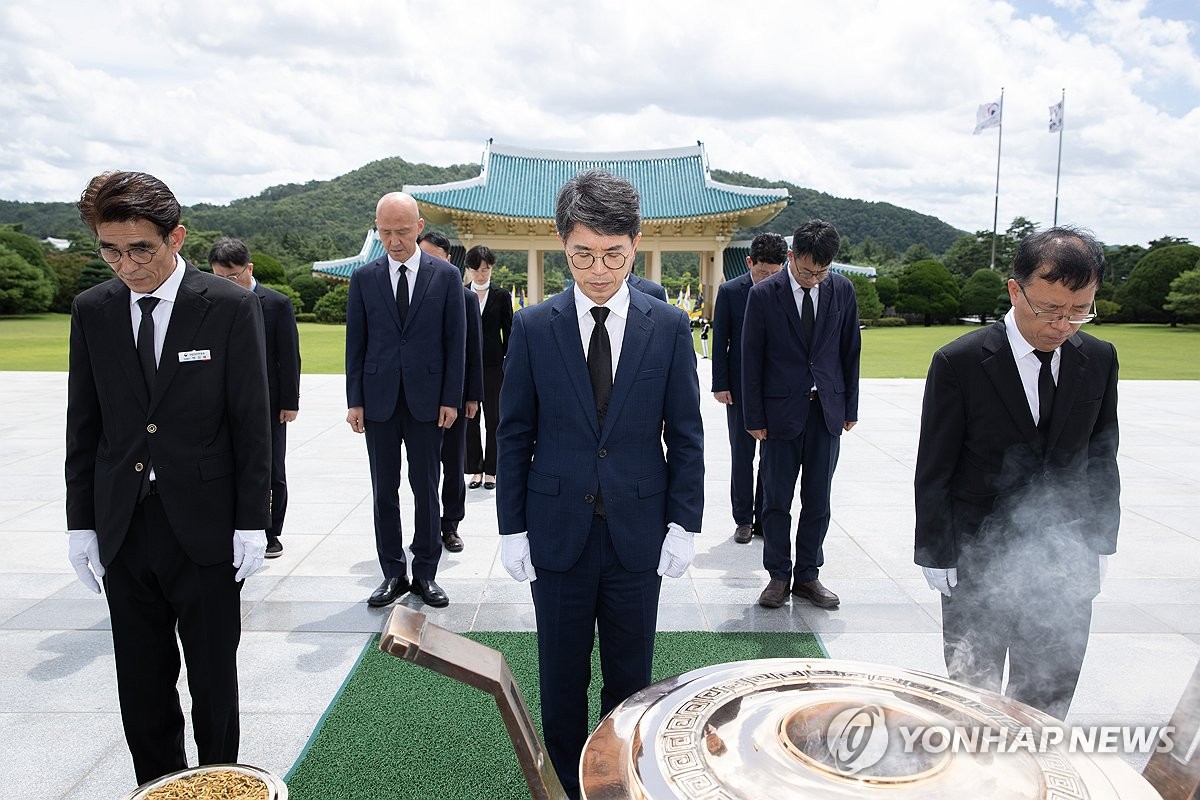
x,y
397,730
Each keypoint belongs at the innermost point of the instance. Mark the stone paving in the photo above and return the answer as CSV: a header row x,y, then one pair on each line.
x,y
305,619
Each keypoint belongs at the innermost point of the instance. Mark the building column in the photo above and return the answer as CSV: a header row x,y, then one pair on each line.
x,y
535,279
654,266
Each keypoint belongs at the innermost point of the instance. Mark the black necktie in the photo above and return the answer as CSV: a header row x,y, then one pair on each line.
x,y
807,316
402,295
599,361
1046,390
145,342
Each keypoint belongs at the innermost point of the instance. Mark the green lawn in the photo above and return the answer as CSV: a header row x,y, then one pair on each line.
x,y
1147,352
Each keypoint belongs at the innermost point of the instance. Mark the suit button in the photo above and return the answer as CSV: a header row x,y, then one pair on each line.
x,y
602,452
151,428
404,341
138,467
587,498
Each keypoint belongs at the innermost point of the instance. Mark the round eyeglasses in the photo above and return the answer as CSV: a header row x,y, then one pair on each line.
x,y
138,255
613,259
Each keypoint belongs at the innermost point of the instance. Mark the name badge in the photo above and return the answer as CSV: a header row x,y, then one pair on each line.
x,y
195,355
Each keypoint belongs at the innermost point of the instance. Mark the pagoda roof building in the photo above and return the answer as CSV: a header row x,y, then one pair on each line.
x,y
509,206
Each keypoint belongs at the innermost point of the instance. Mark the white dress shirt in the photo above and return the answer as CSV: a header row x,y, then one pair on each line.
x,y
618,314
1029,366
166,294
412,264
798,294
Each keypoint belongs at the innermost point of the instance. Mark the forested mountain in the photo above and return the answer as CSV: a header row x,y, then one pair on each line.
x,y
300,223
890,226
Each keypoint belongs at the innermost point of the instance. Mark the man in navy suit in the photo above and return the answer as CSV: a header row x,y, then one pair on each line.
x,y
230,259
768,252
1017,486
800,353
454,441
406,345
597,380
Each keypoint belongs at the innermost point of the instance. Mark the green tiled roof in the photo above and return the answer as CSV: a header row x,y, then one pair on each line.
x,y
737,253
521,183
372,249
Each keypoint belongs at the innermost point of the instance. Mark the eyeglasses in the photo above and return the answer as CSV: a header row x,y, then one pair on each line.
x,y
138,255
818,274
234,277
582,259
1054,316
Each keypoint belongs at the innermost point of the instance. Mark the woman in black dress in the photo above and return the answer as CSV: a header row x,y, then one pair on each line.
x,y
495,306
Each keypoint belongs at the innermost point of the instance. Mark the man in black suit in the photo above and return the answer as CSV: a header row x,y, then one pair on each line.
x,y
768,252
406,350
230,258
800,353
454,441
1017,488
168,464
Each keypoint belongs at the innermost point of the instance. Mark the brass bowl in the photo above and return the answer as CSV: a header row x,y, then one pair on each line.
x,y
825,728
276,788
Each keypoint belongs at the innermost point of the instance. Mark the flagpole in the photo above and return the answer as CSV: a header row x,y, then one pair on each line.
x,y
1062,119
996,207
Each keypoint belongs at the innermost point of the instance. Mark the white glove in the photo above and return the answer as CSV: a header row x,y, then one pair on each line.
x,y
83,551
514,555
249,550
678,550
942,580
1103,567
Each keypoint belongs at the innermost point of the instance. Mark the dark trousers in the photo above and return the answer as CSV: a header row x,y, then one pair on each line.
x,y
595,595
1045,639
153,588
454,485
813,456
279,496
745,493
481,459
422,441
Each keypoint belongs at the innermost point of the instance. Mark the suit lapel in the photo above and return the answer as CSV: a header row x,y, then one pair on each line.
x,y
786,299
638,329
1071,368
190,308
828,310
424,277
1001,368
565,326
119,320
383,286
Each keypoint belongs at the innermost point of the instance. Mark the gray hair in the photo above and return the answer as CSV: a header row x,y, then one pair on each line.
x,y
599,201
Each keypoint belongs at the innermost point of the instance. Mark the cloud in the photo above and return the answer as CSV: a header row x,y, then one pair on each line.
x,y
858,99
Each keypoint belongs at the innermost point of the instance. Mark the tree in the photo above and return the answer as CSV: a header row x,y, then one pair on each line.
x,y
980,294
67,267
888,287
30,250
197,244
1143,295
915,253
332,307
928,288
1184,298
1119,261
969,253
1019,229
267,268
95,272
309,288
286,291
24,289
869,306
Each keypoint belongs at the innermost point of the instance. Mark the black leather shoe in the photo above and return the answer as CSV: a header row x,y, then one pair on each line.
x,y
742,534
474,484
815,592
274,547
388,591
452,541
775,595
489,485
430,592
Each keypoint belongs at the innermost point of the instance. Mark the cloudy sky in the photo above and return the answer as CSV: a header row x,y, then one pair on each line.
x,y
870,100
